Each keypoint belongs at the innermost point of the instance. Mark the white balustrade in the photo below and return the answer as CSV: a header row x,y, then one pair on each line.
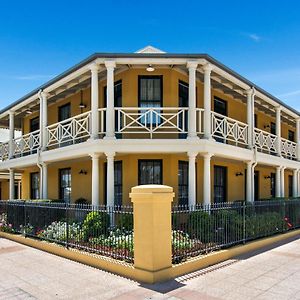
x,y
229,129
265,141
4,151
102,115
69,131
27,143
151,120
288,149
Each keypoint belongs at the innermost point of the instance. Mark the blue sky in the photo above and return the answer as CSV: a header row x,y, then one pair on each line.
x,y
258,39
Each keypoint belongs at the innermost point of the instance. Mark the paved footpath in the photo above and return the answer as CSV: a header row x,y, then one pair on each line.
x,y
27,273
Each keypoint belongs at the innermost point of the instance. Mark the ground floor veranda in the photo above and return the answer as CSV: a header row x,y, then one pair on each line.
x,y
196,178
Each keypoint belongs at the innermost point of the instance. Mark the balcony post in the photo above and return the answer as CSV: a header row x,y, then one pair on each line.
x,y
206,179
278,182
192,178
44,193
11,184
110,179
298,138
250,116
278,129
110,111
282,182
43,120
11,133
94,101
207,101
249,180
192,131
95,179
295,183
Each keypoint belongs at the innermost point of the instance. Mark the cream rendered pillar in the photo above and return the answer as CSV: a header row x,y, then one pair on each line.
x,y
278,129
95,179
44,193
94,101
11,184
298,138
192,130
192,178
110,179
207,101
295,183
249,194
282,187
250,116
206,179
11,133
110,110
278,182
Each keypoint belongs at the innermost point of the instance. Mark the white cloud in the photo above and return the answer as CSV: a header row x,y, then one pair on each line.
x,y
254,37
32,77
289,94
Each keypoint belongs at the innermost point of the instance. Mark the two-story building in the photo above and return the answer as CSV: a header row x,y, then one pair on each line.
x,y
116,120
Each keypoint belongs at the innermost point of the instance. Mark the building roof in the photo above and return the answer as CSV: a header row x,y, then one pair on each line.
x,y
149,52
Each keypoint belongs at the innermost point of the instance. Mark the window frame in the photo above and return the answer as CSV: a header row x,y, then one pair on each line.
x,y
225,170
60,171
160,161
34,189
31,124
140,78
62,107
184,176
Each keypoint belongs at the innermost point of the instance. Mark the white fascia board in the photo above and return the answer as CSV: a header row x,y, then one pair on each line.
x,y
156,61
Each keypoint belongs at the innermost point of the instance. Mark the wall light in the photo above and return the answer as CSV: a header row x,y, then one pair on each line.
x,y
82,172
266,126
267,177
150,68
239,174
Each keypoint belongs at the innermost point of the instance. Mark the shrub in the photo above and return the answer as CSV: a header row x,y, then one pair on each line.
x,y
125,221
95,224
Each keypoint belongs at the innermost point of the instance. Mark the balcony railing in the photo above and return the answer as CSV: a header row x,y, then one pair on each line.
x,y
148,122
69,131
152,120
27,143
265,141
288,149
227,129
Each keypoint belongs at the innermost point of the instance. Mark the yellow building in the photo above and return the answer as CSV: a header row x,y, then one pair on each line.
x,y
117,120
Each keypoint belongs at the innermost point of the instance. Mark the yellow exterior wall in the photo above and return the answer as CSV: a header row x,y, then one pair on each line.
x,y
4,189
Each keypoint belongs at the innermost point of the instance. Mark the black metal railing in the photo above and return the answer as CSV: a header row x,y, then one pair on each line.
x,y
98,229
199,229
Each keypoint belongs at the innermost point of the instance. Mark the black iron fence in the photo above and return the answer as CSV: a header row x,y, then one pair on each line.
x,y
200,229
98,229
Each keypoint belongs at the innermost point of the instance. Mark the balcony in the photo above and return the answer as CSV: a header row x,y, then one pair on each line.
x,y
148,123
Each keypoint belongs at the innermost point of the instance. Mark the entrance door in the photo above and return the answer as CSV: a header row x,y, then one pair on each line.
x,y
183,182
256,185
273,185
220,107
220,184
183,101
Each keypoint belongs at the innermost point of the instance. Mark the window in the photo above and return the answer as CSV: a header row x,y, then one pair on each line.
x,y
150,171
291,136
65,187
255,120
118,183
273,185
220,184
34,124
183,182
273,128
256,186
35,185
150,95
291,185
64,112
183,97
220,107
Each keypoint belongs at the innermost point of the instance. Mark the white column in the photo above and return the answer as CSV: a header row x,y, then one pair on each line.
x,y
207,101
249,180
295,183
206,179
250,116
95,179
110,179
11,133
298,137
43,119
94,101
282,182
192,178
11,184
192,131
278,129
44,194
19,190
110,111
278,182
